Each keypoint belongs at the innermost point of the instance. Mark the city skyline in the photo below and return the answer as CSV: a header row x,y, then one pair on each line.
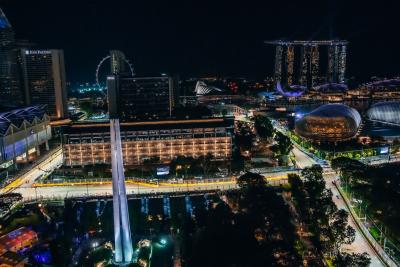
x,y
199,134
216,39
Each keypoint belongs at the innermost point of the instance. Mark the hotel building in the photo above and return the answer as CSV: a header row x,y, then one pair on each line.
x,y
89,144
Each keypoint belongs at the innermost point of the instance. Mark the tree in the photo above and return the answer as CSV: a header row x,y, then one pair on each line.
x,y
237,162
244,137
351,171
250,179
343,163
296,187
284,144
340,232
263,126
205,163
314,182
352,260
182,163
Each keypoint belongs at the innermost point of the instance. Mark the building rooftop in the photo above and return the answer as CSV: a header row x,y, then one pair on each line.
x,y
387,83
305,43
291,91
152,125
10,258
17,117
385,112
332,88
16,237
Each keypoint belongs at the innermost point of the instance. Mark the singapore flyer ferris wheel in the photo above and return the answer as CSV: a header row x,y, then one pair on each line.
x,y
108,58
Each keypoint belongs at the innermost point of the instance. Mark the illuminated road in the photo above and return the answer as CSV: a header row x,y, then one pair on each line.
x,y
360,243
302,159
63,191
51,162
24,184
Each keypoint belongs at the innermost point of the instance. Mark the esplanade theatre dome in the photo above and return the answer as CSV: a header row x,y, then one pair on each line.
x,y
329,123
385,112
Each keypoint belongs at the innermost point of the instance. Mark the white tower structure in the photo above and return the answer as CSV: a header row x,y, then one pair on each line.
x,y
123,251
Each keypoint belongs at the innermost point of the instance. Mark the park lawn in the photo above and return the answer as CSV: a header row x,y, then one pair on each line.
x,y
30,220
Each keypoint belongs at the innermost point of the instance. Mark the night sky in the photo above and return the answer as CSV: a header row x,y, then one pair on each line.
x,y
206,37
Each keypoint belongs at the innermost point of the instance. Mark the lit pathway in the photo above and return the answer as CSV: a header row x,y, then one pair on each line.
x,y
360,243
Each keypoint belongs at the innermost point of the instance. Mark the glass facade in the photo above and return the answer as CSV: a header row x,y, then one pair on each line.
x,y
44,77
11,93
331,122
385,112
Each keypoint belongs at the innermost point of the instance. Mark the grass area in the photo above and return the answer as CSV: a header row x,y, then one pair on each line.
x,y
374,232
329,263
31,220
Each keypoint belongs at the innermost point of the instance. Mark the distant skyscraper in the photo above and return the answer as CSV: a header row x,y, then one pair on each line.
x,y
140,98
290,64
44,80
309,72
305,65
314,64
117,59
11,93
278,62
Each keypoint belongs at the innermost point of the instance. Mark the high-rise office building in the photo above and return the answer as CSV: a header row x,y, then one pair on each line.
x,y
314,61
140,98
117,59
278,62
11,93
44,80
305,60
309,72
290,64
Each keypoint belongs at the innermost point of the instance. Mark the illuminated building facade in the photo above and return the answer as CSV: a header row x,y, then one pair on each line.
x,y
11,94
23,133
329,123
290,64
309,73
44,80
18,240
278,63
140,98
89,144
314,62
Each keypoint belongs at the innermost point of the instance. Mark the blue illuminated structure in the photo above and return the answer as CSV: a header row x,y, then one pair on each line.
x,y
297,90
123,251
4,21
385,112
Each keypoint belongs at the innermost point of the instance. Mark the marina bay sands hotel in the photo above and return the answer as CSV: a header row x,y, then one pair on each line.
x,y
300,62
